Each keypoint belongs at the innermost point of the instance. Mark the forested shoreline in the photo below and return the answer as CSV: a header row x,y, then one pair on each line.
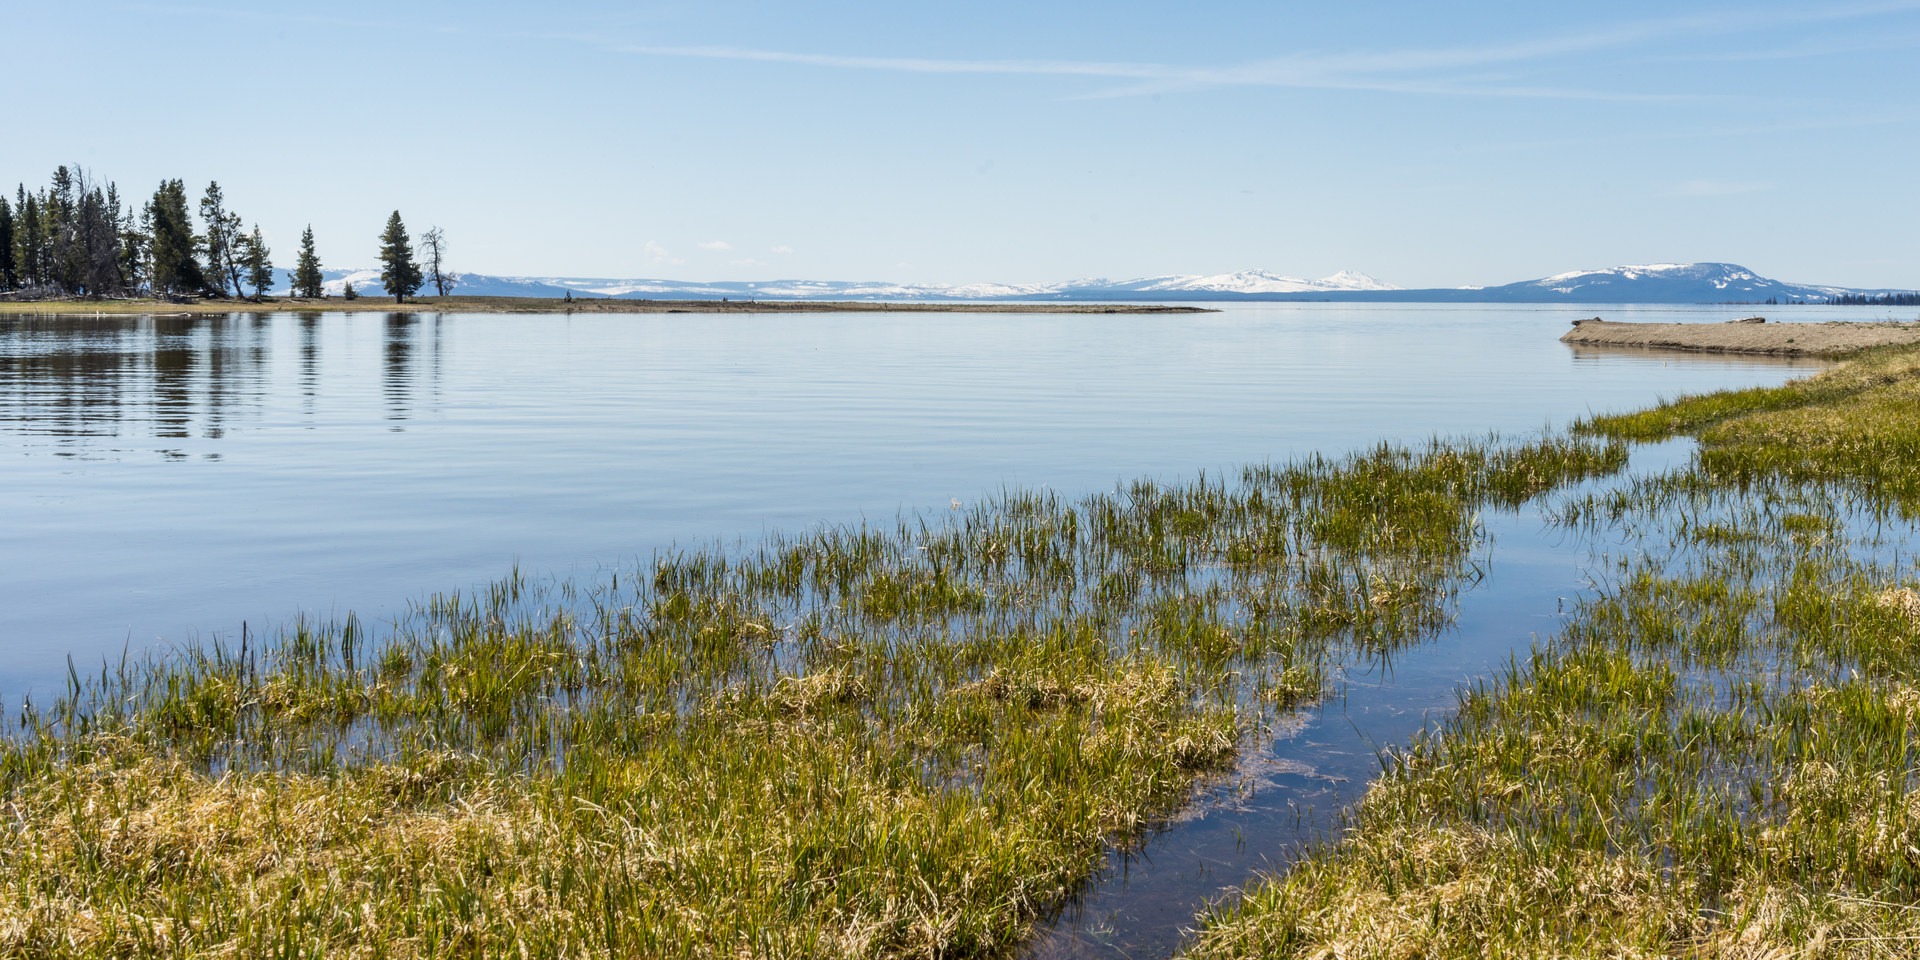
x,y
80,237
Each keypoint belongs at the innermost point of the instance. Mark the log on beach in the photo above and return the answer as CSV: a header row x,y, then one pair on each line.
x,y
1747,335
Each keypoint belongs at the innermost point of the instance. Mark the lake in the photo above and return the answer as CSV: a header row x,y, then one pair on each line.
x,y
170,478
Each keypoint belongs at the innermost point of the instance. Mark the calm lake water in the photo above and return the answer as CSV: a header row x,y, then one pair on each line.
x,y
169,478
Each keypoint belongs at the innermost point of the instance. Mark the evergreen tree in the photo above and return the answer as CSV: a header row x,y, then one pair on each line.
x,y
306,268
219,240
174,268
9,274
33,243
398,272
106,250
133,250
95,253
236,263
259,263
18,248
66,259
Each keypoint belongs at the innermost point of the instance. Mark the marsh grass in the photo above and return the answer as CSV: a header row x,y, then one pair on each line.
x,y
1719,755
903,740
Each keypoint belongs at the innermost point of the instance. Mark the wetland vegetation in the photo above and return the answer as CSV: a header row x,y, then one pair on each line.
x,y
872,741
1715,756
911,739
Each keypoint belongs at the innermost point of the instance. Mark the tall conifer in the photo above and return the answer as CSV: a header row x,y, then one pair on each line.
x,y
174,268
398,272
306,267
219,240
9,274
28,231
259,262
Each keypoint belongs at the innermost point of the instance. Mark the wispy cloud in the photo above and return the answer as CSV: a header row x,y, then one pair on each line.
x,y
1440,71
1376,72
1808,50
1613,138
1715,188
660,254
782,249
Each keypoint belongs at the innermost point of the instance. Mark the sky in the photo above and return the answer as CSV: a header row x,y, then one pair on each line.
x,y
1425,144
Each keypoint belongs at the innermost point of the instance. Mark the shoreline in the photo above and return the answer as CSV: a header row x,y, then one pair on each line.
x,y
1834,338
459,304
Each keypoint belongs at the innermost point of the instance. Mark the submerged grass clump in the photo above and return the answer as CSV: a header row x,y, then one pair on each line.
x,y
868,741
1718,756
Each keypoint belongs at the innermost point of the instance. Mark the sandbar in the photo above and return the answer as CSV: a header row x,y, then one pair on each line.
x,y
1829,339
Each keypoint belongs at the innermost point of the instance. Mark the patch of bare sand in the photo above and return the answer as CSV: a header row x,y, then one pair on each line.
x,y
1780,339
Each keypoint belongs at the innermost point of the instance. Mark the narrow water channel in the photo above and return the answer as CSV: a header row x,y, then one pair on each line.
x,y
1292,794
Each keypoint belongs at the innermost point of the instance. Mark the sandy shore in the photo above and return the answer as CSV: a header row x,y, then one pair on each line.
x,y
1779,339
458,304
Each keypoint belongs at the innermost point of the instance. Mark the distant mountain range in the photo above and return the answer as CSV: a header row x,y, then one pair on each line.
x,y
1647,283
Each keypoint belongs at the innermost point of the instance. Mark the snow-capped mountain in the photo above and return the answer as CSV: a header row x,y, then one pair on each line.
x,y
1244,283
1238,284
367,283
1641,283
1665,283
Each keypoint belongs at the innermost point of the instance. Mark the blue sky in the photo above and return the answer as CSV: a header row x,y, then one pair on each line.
x,y
1426,144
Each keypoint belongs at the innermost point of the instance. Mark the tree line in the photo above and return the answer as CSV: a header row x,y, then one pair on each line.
x,y
1909,298
77,237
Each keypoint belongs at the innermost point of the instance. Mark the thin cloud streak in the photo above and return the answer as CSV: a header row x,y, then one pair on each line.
x,y
1394,71
1615,138
1162,78
1716,188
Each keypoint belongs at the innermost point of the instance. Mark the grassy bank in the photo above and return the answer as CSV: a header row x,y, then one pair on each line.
x,y
905,740
1715,757
461,304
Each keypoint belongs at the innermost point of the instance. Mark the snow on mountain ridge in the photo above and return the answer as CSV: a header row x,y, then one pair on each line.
x,y
1243,282
1706,282
1637,271
1250,281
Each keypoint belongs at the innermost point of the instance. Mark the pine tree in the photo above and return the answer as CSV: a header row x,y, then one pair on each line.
x,y
259,263
174,268
306,268
236,252
218,242
94,254
66,259
134,246
32,231
398,273
9,274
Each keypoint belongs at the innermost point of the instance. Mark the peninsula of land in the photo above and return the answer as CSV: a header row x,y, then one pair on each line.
x,y
1750,335
458,304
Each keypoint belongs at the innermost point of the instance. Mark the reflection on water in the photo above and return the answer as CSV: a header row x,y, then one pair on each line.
x,y
399,356
107,387
170,477
1592,353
